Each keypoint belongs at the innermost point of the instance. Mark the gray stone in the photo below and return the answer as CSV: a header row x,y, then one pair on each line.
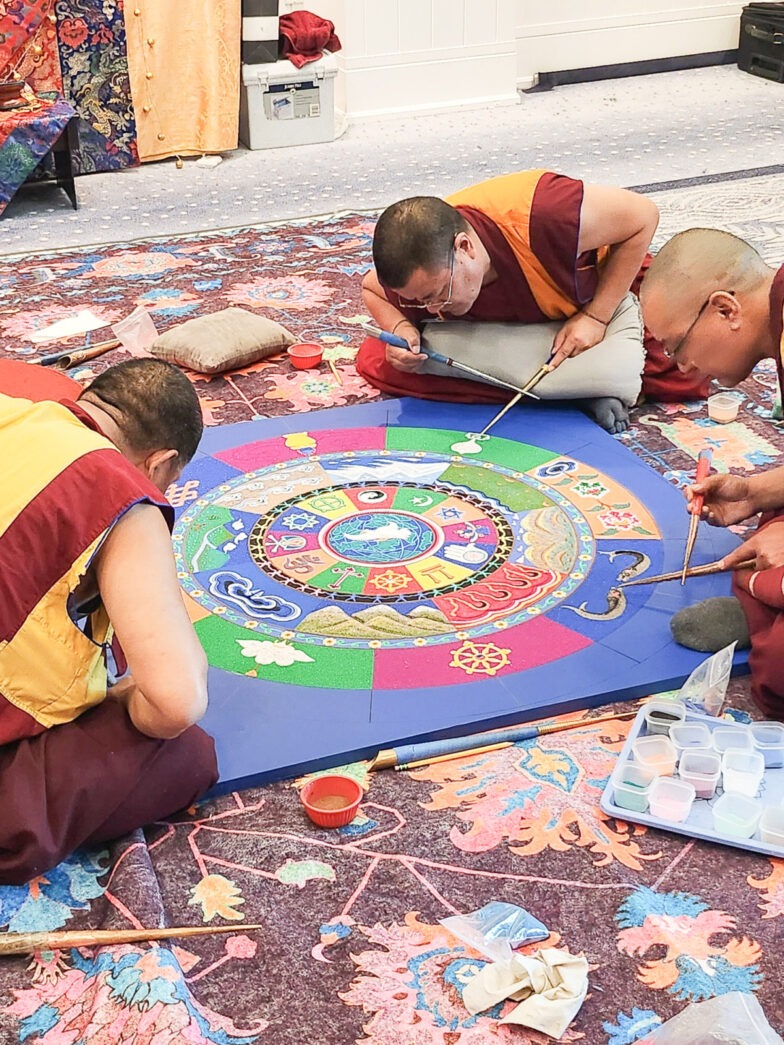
x,y
711,625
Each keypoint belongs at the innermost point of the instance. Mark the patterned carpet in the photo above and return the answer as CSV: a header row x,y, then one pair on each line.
x,y
352,949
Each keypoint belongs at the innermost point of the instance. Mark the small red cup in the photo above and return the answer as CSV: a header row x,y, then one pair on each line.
x,y
305,354
332,800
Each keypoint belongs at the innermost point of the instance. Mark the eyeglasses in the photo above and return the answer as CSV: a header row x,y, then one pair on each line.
x,y
438,305
672,353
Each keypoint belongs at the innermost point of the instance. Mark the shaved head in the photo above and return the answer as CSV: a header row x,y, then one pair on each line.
x,y
706,300
698,261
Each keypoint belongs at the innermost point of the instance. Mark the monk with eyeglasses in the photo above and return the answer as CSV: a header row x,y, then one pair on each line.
x,y
547,263
717,308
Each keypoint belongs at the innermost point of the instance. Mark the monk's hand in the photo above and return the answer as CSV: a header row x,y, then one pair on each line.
x,y
577,335
766,548
121,690
411,359
726,499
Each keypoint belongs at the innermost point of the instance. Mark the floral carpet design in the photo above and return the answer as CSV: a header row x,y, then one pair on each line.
x,y
352,949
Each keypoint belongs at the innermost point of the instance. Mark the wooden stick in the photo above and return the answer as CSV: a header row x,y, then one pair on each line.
x,y
388,757
29,943
705,570
62,359
81,355
335,371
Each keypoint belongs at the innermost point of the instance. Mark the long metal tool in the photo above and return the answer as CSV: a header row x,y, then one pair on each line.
x,y
704,461
439,357
695,571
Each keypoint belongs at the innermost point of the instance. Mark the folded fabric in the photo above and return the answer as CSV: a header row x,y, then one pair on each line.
x,y
303,36
550,985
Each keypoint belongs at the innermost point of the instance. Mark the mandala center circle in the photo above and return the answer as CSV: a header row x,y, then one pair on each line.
x,y
381,537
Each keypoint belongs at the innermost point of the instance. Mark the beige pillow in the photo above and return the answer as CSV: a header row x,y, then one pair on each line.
x,y
226,340
514,351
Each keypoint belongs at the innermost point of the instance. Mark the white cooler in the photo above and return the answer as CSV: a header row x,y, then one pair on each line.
x,y
282,105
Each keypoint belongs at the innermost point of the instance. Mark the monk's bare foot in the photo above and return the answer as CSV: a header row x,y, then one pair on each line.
x,y
608,412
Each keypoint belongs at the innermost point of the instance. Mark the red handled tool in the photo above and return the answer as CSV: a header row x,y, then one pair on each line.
x,y
704,462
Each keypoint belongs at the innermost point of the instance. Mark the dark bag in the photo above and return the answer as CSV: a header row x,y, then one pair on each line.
x,y
761,44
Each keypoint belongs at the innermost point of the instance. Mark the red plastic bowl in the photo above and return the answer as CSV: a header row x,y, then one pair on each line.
x,y
331,801
305,354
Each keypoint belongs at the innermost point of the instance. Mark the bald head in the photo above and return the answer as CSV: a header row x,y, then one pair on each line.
x,y
705,298
698,261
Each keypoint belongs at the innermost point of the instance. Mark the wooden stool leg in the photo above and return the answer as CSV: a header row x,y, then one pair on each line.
x,y
63,161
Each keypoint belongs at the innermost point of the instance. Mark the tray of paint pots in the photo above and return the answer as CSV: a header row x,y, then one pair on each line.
x,y
626,790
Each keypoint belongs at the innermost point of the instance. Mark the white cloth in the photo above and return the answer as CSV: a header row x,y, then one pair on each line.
x,y
513,352
550,985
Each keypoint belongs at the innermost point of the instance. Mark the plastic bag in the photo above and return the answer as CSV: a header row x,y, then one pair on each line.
x,y
496,928
730,1019
136,332
704,690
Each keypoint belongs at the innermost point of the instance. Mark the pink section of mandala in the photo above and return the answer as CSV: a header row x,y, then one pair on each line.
x,y
529,645
261,454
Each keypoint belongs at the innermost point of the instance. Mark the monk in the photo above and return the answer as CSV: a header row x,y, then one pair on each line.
x,y
716,307
524,249
102,677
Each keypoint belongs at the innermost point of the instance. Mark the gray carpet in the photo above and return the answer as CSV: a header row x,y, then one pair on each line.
x,y
637,131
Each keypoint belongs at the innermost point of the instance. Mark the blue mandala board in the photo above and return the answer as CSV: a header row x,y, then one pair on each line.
x,y
369,576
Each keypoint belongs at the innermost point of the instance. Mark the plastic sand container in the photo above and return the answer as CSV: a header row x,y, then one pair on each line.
x,y
726,737
656,755
631,786
768,738
661,715
736,815
688,735
701,768
771,825
331,801
723,407
742,771
671,799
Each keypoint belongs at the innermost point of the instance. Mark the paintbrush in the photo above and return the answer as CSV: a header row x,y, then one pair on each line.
x,y
70,357
335,371
412,755
29,943
694,571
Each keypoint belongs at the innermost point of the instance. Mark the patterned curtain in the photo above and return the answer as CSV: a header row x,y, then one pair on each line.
x,y
185,75
91,37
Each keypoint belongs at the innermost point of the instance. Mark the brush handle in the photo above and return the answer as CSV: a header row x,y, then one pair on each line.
x,y
436,749
704,463
29,943
385,336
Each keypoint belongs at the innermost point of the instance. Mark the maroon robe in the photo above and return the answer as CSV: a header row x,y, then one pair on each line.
x,y
761,593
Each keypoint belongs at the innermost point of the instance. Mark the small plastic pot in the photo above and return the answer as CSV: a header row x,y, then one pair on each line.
x,y
332,800
305,354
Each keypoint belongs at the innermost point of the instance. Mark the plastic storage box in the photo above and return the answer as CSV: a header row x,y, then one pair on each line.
x,y
281,105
